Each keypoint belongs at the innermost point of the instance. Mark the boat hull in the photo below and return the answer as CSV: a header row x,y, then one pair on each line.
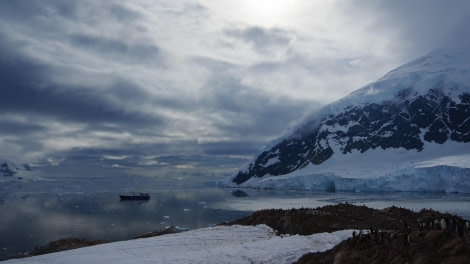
x,y
134,197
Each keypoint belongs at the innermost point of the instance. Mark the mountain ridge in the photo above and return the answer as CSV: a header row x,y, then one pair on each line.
x,y
424,101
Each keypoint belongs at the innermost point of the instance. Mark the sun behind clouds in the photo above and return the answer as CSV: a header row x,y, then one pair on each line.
x,y
269,12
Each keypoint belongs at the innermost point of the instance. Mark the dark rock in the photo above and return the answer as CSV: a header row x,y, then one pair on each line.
x,y
394,235
65,244
165,231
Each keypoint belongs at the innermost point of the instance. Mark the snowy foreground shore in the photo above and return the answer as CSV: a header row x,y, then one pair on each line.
x,y
220,244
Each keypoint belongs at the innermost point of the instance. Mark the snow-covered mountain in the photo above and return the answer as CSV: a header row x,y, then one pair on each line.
x,y
11,171
408,131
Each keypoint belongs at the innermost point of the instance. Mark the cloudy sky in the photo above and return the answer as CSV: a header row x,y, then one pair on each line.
x,y
152,82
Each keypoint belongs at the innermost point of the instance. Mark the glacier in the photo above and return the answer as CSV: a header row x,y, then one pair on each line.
x,y
440,168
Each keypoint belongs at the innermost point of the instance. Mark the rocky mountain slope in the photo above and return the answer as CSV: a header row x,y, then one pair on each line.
x,y
421,106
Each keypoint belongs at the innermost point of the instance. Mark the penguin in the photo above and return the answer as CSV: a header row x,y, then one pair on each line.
x,y
382,237
443,224
453,224
460,229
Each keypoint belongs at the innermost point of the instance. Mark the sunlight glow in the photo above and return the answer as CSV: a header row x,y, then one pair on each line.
x,y
270,12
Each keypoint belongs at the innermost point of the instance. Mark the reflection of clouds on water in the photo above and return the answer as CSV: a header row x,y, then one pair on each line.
x,y
30,220
49,218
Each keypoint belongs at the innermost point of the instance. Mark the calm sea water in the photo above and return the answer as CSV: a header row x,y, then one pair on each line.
x,y
32,217
35,214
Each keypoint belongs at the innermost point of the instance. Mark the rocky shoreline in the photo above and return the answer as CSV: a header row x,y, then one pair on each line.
x,y
391,235
74,243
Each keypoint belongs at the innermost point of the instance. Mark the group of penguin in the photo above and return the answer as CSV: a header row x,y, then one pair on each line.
x,y
447,223
459,226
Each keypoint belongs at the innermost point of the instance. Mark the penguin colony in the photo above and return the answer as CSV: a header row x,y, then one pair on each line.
x,y
431,221
307,221
394,235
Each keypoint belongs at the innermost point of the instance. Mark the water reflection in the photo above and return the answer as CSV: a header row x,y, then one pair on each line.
x,y
239,193
37,214
29,220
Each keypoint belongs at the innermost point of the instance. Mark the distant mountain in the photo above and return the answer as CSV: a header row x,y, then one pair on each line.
x,y
11,171
379,137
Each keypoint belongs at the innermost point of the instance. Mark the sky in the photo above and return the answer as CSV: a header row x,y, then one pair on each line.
x,y
185,84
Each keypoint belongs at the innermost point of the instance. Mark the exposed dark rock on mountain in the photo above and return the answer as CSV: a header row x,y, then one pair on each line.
x,y
425,101
433,117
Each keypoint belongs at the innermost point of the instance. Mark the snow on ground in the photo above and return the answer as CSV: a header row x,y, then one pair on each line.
x,y
220,244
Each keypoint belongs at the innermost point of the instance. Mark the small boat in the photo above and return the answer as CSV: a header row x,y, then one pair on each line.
x,y
135,196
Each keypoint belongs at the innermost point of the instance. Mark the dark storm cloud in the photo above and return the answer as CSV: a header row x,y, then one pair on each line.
x,y
261,38
41,12
117,49
248,112
20,128
415,26
251,113
26,88
241,148
169,155
51,20
24,11
124,14
458,39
